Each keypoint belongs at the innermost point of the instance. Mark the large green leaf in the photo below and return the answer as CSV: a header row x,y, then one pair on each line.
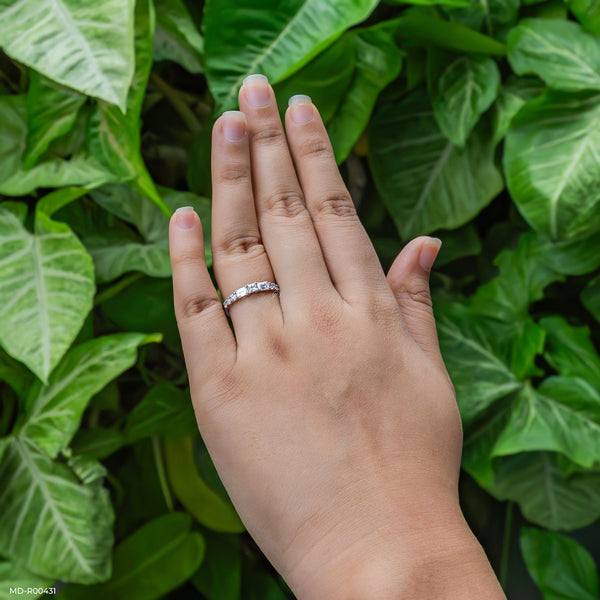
x,y
471,349
86,47
198,499
51,112
465,90
559,51
54,409
515,93
165,410
544,494
274,38
116,253
49,522
80,169
587,13
13,576
562,569
176,37
491,16
562,415
154,560
425,27
570,351
426,182
46,289
378,62
551,159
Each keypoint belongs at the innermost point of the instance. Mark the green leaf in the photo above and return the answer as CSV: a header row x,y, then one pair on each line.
x,y
164,410
198,499
15,374
177,37
590,297
471,344
51,112
42,501
156,559
546,497
220,574
88,48
426,182
570,351
561,568
559,51
378,62
514,94
587,13
465,90
80,169
114,142
493,16
246,37
550,160
54,409
15,576
46,290
562,415
426,28
115,254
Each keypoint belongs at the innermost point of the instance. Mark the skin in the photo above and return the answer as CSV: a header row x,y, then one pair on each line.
x,y
328,411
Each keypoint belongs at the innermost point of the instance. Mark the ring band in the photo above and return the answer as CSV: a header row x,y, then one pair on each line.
x,y
246,290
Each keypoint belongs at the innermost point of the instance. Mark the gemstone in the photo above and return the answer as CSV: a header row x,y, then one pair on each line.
x,y
253,287
263,285
241,293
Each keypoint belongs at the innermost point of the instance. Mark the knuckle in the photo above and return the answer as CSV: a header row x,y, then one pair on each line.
x,y
337,204
418,295
268,136
249,244
233,173
288,203
316,148
192,306
385,314
184,258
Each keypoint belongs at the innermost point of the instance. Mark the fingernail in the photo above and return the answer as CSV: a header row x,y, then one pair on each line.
x,y
301,108
234,125
257,90
429,252
185,217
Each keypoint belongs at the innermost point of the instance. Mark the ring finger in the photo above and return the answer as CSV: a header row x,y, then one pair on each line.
x,y
239,256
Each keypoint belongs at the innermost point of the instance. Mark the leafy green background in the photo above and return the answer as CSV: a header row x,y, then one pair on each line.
x,y
476,122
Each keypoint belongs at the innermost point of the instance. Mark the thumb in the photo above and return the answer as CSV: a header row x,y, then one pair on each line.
x,y
409,279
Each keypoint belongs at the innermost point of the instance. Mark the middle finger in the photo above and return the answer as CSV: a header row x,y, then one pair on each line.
x,y
285,224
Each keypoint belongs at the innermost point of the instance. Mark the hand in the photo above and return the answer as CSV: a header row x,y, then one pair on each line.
x,y
330,416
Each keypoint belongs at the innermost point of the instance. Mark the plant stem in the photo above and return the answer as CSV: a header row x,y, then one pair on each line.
x,y
113,290
178,103
160,469
506,544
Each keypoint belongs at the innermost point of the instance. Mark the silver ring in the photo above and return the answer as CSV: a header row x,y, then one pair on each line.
x,y
249,288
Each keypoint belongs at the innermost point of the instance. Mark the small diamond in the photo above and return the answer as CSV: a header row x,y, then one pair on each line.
x,y
241,293
263,285
253,287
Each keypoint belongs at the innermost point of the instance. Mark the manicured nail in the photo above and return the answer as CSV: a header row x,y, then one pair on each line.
x,y
185,217
234,125
301,108
257,90
429,252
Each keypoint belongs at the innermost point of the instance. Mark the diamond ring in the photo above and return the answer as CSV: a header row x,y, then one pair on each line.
x,y
249,288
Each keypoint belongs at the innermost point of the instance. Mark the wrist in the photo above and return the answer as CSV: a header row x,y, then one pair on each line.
x,y
430,559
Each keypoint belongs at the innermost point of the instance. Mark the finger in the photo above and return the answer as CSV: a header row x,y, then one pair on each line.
x,y
239,256
349,254
408,278
287,230
208,343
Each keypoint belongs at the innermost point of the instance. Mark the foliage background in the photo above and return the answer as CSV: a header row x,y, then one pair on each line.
x,y
477,122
